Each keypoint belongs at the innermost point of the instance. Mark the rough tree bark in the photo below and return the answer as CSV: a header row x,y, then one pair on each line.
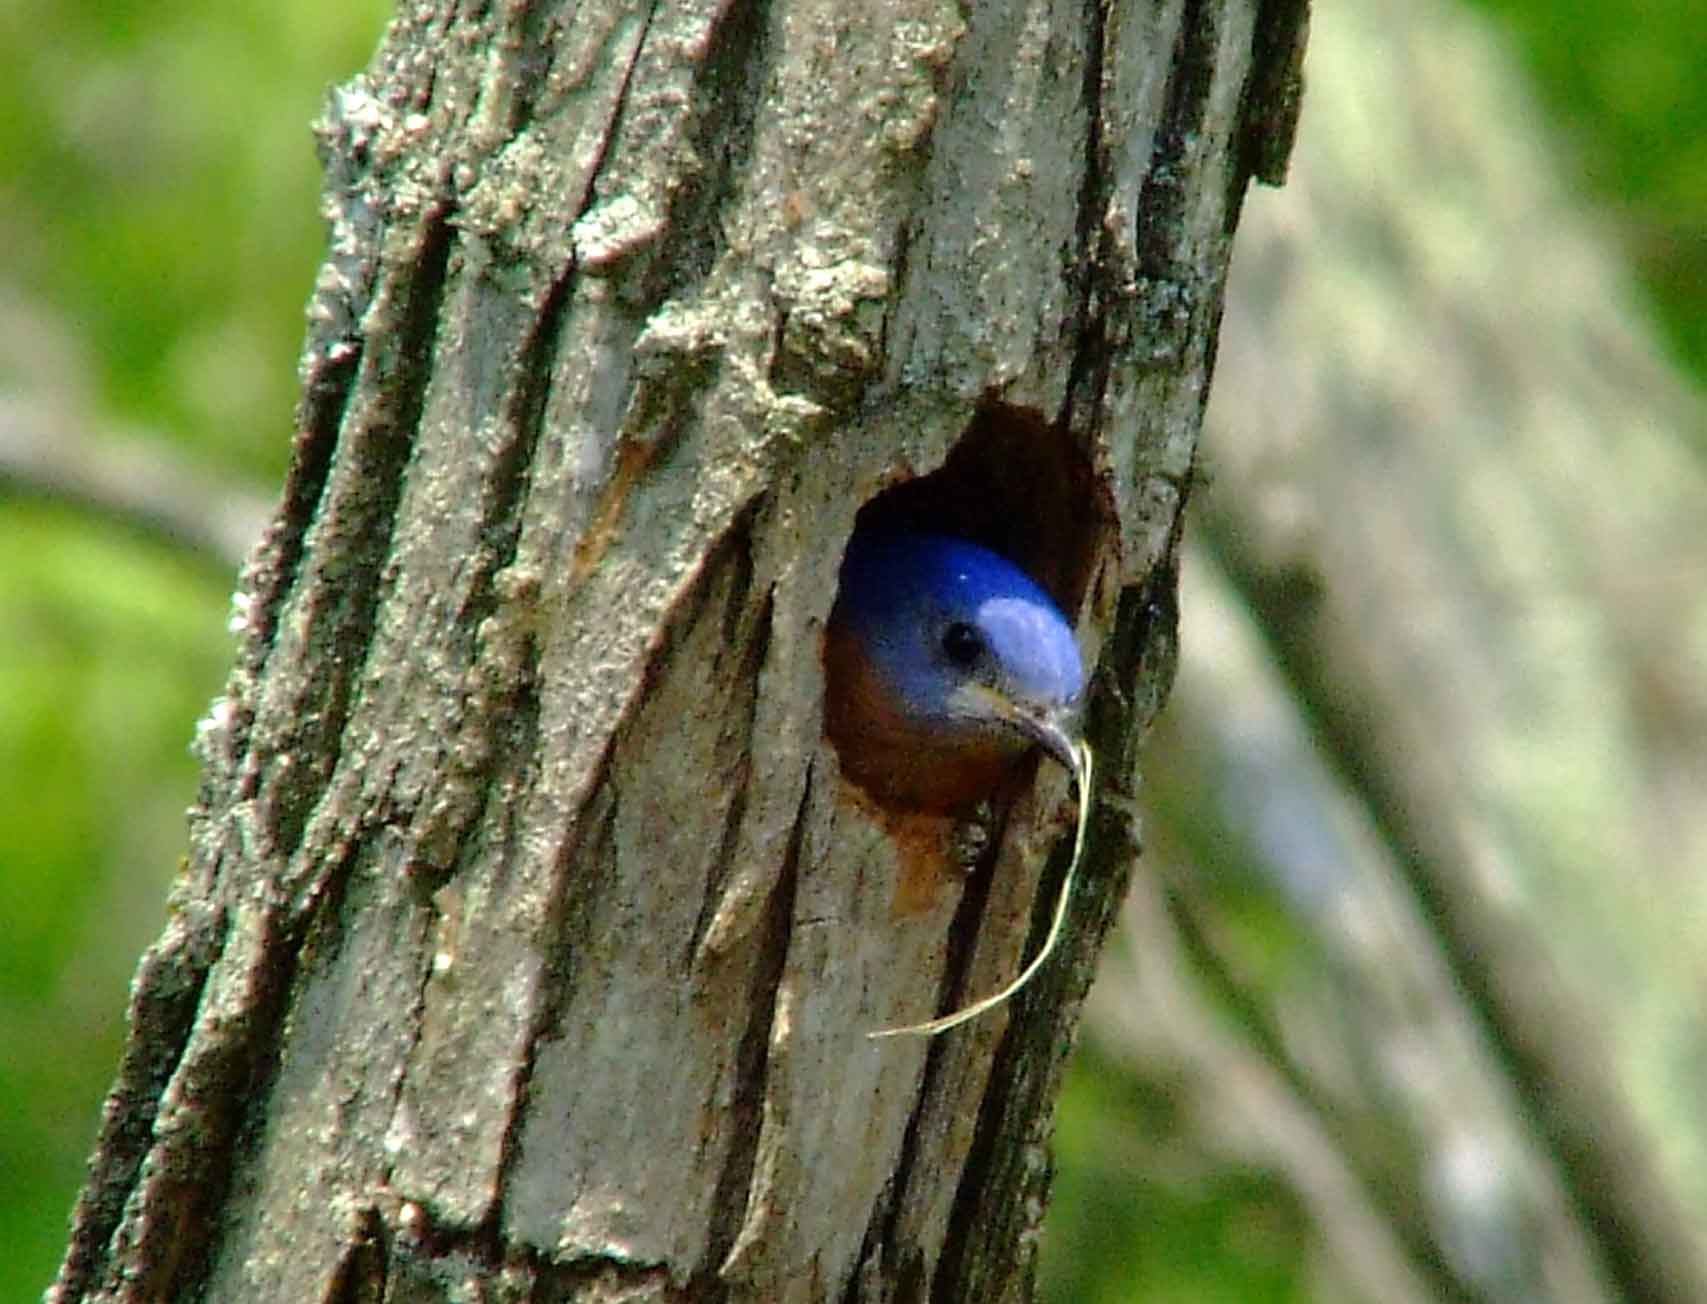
x,y
528,937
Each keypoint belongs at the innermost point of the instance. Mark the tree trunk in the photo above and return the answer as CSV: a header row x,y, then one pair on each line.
x,y
529,937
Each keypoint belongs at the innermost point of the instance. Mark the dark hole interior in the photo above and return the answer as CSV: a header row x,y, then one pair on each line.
x,y
1015,484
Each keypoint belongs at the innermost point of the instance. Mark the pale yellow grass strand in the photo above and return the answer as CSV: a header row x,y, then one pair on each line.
x,y
1082,754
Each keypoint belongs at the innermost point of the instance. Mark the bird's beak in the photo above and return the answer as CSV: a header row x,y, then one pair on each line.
x,y
1056,731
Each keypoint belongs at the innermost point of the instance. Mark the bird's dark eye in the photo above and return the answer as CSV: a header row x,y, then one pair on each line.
x,y
962,644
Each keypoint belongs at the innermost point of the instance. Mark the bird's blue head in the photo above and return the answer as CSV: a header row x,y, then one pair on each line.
x,y
947,650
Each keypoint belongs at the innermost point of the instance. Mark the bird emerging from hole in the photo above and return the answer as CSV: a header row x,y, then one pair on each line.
x,y
944,664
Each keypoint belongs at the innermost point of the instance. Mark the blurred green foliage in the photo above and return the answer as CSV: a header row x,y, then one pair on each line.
x,y
157,209
1627,86
157,205
108,651
159,190
1140,1213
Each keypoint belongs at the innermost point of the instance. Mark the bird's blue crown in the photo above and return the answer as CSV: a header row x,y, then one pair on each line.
x,y
956,631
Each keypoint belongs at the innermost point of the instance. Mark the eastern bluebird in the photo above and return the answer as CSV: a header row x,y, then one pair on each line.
x,y
944,664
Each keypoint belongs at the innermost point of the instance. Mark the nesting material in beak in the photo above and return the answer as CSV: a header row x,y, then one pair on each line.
x,y
1076,755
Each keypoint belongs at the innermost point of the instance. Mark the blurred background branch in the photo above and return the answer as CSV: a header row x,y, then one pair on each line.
x,y
1421,931
48,451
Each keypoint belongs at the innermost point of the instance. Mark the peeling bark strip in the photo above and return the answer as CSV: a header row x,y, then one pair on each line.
x,y
528,939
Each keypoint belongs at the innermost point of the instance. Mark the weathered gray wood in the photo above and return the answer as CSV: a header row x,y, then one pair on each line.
x,y
528,939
